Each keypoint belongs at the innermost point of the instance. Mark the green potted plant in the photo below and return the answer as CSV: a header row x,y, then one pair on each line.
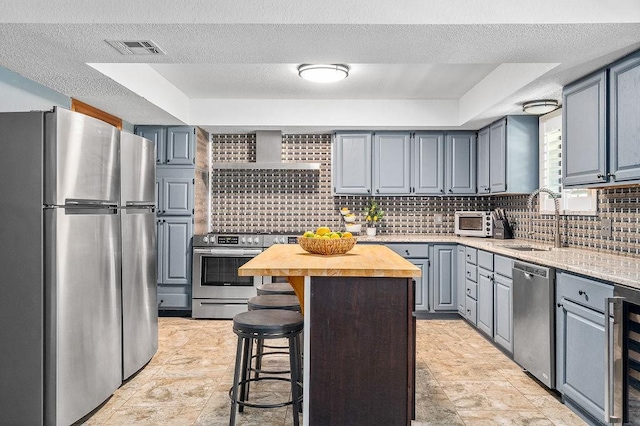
x,y
374,215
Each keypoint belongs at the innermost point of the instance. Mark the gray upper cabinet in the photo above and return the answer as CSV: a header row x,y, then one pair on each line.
x,y
484,183
428,163
498,157
180,146
624,120
508,156
351,165
174,145
391,163
584,131
460,163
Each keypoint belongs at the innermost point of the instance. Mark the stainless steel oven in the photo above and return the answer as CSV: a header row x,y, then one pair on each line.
x,y
622,357
218,291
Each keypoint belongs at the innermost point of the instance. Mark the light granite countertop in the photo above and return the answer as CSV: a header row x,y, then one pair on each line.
x,y
608,267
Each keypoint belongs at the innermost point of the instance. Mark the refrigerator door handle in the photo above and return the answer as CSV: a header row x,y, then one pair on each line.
x,y
72,202
139,204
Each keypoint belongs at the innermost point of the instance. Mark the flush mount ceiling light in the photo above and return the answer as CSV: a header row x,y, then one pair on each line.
x,y
323,73
540,107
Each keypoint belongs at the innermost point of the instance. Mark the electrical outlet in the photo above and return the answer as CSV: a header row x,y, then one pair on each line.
x,y
437,218
605,228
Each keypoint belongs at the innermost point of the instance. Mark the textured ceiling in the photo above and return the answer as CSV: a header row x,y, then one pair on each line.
x,y
224,51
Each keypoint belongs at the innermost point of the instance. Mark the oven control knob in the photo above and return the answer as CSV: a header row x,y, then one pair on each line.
x,y
282,240
243,240
256,240
205,239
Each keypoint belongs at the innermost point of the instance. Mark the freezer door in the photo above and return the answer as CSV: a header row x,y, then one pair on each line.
x,y
82,159
138,166
139,300
83,323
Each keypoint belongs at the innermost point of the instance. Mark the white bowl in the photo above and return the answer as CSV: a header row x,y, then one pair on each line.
x,y
350,219
353,228
345,212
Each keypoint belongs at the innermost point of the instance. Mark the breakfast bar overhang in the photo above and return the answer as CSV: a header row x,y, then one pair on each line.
x,y
359,335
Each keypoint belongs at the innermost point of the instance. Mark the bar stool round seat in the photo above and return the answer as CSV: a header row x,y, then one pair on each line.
x,y
275,288
274,301
260,325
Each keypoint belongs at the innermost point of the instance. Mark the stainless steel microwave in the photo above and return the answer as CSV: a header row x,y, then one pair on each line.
x,y
474,224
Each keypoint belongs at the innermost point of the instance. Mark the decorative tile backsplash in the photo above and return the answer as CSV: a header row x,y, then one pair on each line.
x,y
297,200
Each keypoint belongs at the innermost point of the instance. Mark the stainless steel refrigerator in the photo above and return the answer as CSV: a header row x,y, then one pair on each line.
x,y
139,288
60,302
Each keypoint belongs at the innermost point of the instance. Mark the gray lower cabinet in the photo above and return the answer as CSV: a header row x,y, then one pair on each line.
x,y
580,343
418,254
461,262
488,291
351,163
503,312
174,261
485,301
443,277
392,163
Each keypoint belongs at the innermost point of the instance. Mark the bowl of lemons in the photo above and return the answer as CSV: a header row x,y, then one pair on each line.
x,y
326,242
350,217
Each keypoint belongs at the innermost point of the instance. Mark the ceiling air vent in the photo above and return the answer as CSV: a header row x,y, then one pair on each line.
x,y
136,47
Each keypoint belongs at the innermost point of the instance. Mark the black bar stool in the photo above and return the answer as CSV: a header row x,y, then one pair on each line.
x,y
271,301
274,301
260,325
275,288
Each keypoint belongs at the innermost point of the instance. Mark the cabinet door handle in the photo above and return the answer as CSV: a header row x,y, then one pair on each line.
x,y
611,175
600,176
407,251
368,191
559,305
441,191
580,292
377,191
450,190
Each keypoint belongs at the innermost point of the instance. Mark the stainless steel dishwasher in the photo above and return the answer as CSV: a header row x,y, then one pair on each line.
x,y
533,320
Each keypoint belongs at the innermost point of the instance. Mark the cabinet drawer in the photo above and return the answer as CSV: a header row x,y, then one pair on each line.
x,y
485,260
471,289
502,265
584,291
173,301
470,313
471,272
472,255
411,250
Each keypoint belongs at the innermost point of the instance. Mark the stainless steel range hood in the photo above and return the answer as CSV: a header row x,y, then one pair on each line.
x,y
268,155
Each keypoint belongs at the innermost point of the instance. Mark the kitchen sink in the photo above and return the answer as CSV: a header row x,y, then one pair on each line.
x,y
525,248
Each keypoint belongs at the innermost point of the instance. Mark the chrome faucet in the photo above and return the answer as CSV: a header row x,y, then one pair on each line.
x,y
556,237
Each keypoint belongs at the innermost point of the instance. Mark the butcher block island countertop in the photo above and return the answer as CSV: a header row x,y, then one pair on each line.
x,y
290,260
359,331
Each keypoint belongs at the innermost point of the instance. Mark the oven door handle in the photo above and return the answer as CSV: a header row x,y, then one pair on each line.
x,y
610,373
229,252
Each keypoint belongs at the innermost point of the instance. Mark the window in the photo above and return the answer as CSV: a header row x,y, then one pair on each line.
x,y
572,201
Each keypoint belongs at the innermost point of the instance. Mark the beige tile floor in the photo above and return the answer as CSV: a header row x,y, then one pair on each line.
x,y
461,379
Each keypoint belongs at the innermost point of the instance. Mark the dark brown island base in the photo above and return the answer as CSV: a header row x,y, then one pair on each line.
x,y
359,348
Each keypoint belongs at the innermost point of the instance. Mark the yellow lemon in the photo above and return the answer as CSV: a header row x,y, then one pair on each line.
x,y
369,218
375,218
325,237
308,234
322,230
317,236
347,235
334,236
344,209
